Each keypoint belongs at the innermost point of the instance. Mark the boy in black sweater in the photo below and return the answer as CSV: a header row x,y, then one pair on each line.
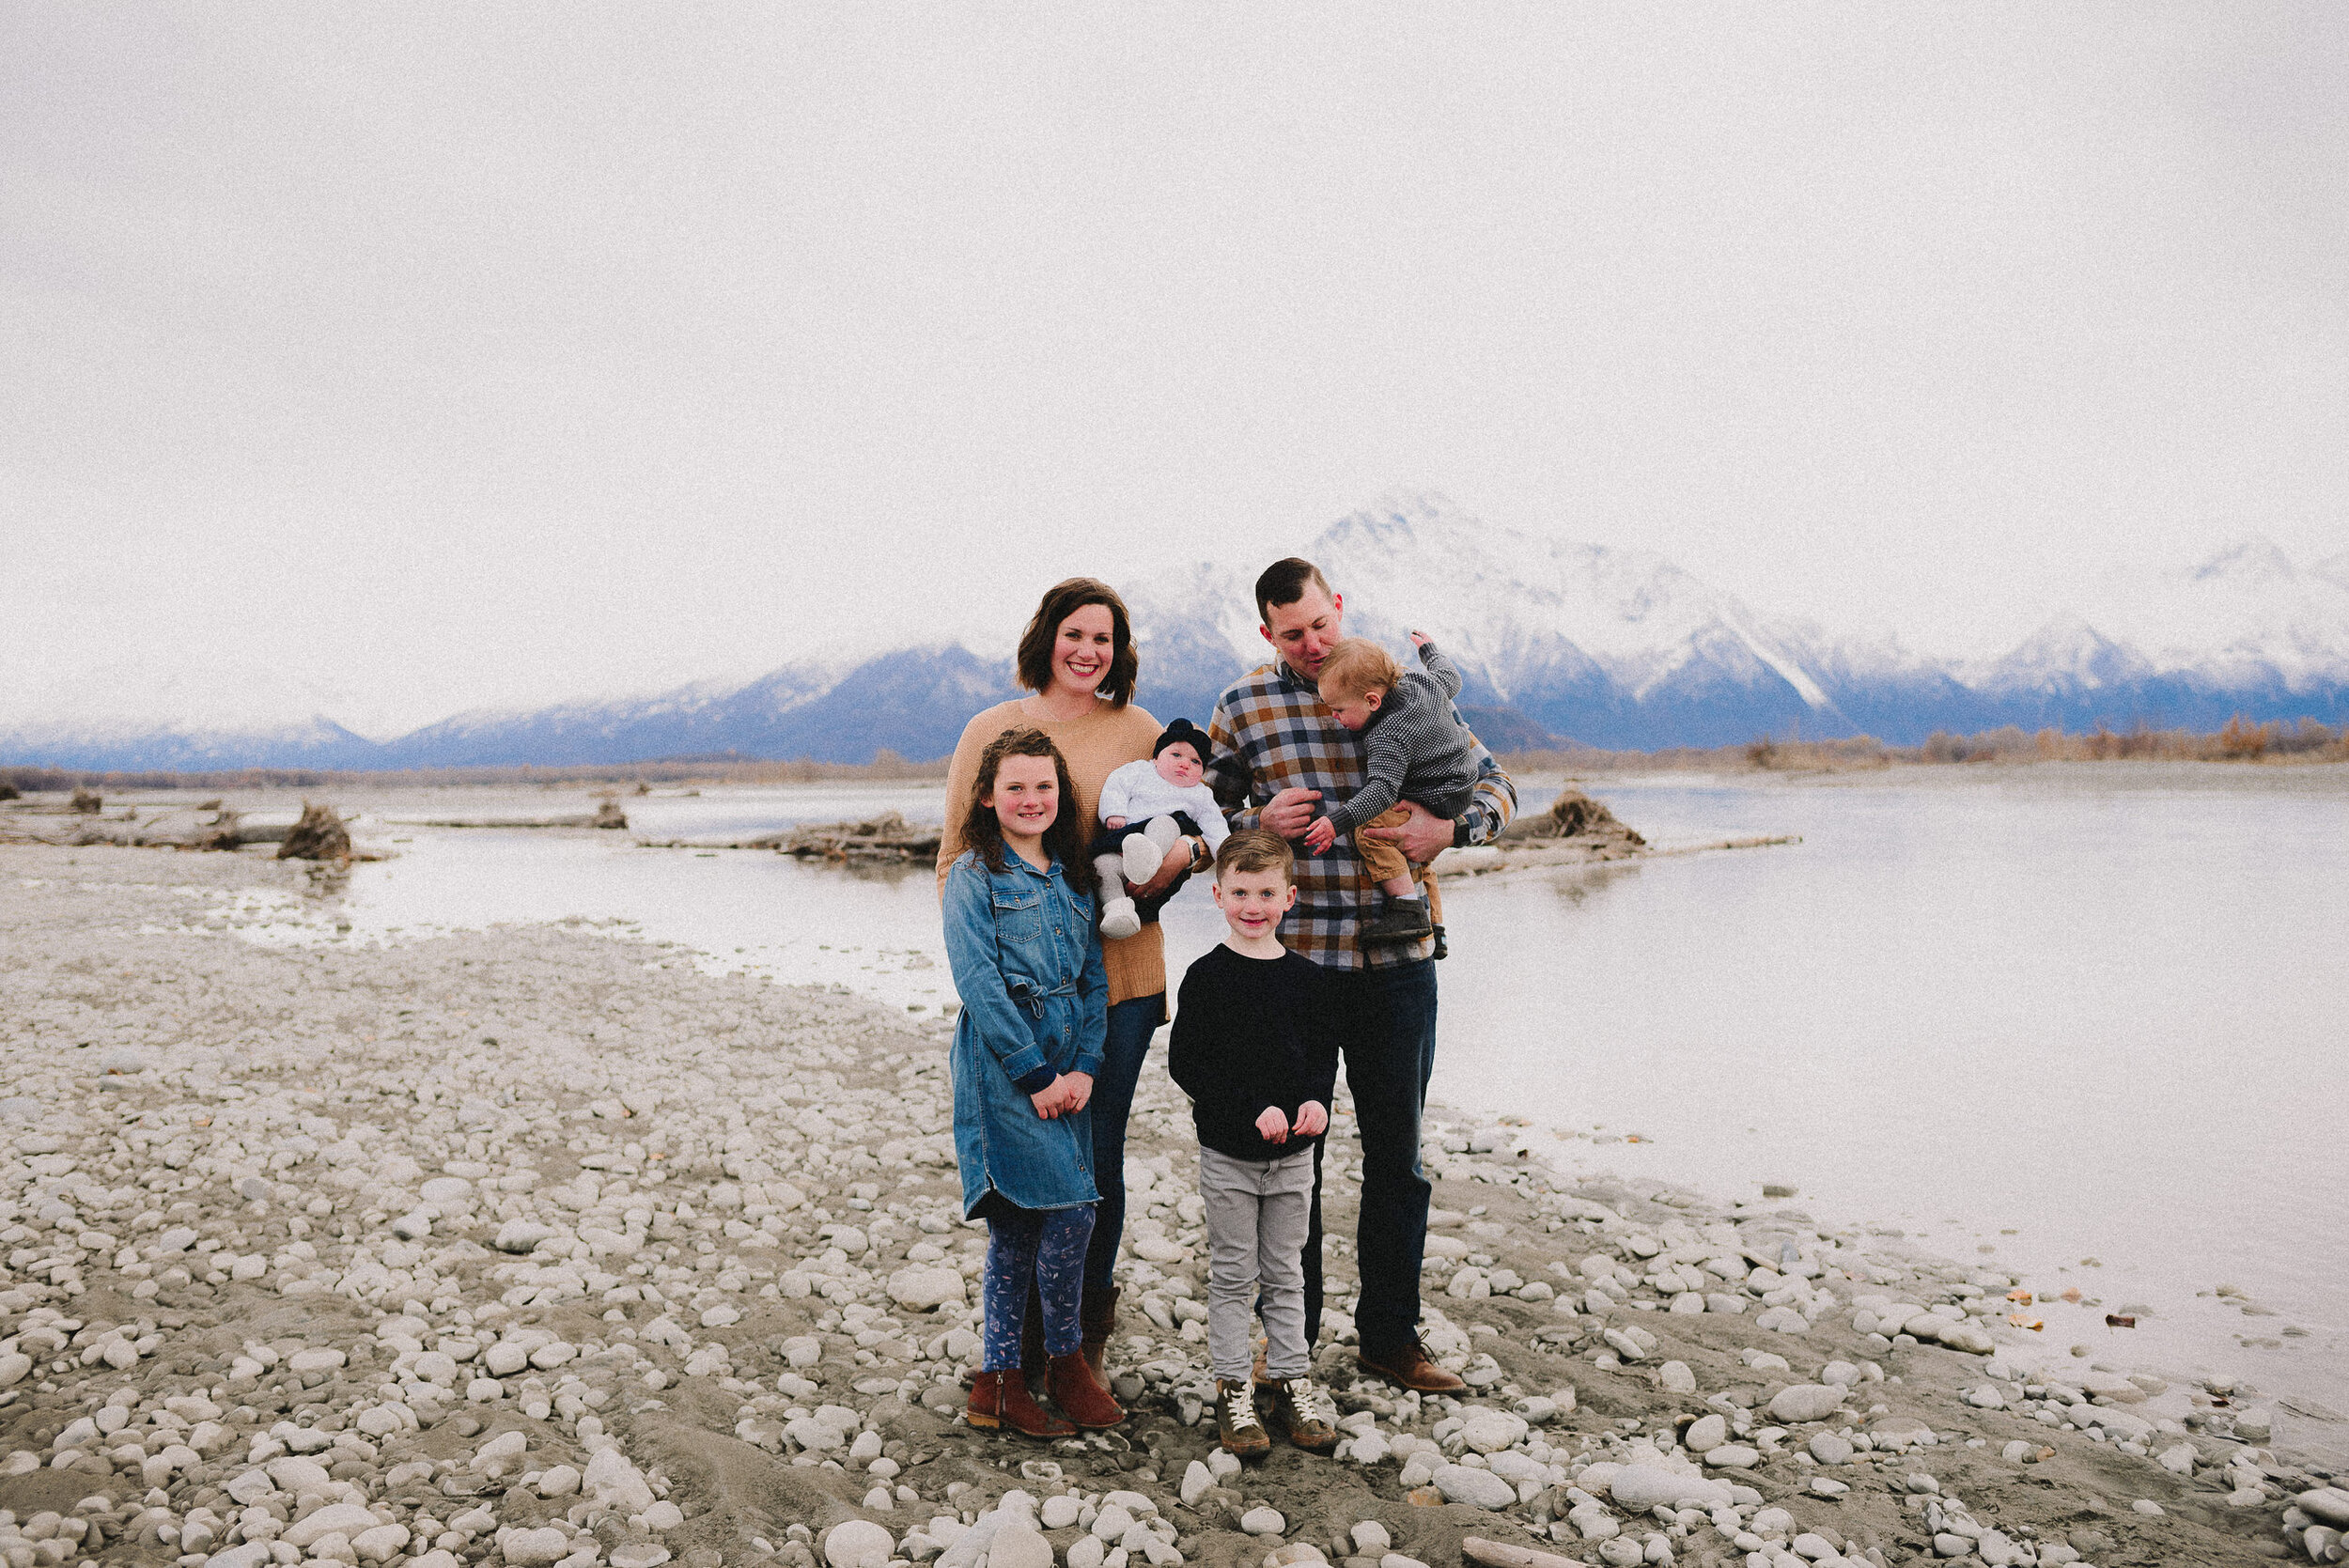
x,y
1252,1049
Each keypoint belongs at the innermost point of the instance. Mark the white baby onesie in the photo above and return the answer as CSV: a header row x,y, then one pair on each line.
x,y
1137,793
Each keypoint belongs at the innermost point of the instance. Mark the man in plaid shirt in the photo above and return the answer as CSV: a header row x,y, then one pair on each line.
x,y
1277,751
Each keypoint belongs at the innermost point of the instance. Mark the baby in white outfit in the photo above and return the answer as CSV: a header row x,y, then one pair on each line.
x,y
1146,807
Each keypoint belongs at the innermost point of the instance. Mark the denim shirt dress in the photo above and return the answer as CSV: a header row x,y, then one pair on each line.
x,y
1027,965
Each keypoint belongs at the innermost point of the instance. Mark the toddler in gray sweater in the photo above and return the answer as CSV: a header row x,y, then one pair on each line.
x,y
1414,748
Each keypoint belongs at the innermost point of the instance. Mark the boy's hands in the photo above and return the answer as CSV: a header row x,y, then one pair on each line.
x,y
1064,1096
1322,834
1419,640
1313,1120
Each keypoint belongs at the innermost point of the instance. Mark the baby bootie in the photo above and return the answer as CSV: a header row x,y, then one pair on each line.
x,y
1144,855
1119,919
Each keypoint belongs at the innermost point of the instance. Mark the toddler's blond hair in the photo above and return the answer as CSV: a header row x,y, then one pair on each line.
x,y
1357,666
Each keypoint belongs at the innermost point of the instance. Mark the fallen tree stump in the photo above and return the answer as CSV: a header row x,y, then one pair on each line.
x,y
319,836
886,837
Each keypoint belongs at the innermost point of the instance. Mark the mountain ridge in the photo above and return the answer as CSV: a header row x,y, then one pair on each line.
x,y
1613,647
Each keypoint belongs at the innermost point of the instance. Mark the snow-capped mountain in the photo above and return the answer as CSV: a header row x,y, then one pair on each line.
x,y
1610,647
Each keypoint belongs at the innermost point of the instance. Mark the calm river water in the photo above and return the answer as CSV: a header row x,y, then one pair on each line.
x,y
2035,1016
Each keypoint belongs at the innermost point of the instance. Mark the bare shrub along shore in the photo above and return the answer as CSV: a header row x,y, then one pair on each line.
x,y
2240,740
538,1247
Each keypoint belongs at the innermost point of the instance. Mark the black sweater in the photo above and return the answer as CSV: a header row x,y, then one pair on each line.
x,y
1252,1033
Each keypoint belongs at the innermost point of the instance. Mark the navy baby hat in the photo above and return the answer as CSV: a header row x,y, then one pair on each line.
x,y
1183,732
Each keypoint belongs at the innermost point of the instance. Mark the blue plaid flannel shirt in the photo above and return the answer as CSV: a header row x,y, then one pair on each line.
x,y
1270,733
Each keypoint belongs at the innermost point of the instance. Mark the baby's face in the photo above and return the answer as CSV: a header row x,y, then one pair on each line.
x,y
1353,710
1179,764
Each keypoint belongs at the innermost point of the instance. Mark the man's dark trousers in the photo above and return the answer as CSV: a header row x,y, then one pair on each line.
x,y
1386,1021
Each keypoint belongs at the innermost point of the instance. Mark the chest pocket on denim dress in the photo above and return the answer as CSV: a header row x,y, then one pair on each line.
x,y
1019,918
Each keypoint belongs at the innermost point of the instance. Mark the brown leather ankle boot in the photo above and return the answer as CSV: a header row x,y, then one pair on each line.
x,y
1081,1399
1000,1399
1098,1318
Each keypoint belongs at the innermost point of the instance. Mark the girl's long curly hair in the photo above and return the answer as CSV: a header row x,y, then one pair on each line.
x,y
1063,841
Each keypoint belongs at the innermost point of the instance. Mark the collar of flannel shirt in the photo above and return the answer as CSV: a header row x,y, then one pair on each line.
x,y
1289,741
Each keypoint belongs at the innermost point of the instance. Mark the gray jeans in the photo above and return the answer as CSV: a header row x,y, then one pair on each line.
x,y
1257,1216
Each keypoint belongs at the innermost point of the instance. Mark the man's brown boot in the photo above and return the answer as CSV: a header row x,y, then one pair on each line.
x,y
1079,1397
1305,1412
1000,1399
1411,1366
1098,1318
1236,1421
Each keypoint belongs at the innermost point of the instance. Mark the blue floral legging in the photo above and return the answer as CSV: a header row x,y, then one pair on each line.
x,y
1046,1246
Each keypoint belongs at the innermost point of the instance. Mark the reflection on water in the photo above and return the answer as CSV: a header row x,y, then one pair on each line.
x,y
2032,1022
2049,1017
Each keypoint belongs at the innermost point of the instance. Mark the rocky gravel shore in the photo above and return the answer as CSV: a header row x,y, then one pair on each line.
x,y
541,1246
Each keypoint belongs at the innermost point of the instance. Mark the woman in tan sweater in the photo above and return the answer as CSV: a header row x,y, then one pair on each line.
x,y
1077,659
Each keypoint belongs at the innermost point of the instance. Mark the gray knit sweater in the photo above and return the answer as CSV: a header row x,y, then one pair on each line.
x,y
1415,748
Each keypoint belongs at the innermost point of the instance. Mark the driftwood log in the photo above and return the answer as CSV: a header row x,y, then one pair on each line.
x,y
319,836
886,837
1573,814
1497,1554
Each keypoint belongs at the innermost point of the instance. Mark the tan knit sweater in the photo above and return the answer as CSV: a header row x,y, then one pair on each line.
x,y
1105,739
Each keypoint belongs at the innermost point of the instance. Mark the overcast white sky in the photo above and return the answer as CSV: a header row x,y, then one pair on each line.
x,y
452,355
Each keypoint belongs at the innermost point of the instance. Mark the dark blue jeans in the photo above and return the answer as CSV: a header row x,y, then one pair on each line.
x,y
1131,1024
1386,1020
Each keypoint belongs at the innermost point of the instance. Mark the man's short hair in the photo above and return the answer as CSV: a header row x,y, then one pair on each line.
x,y
1255,850
1283,582
1357,666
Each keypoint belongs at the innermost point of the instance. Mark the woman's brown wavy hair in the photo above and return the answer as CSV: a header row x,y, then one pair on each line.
x,y
1062,600
1064,840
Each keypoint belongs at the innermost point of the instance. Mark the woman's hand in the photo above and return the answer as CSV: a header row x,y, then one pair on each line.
x,y
1313,1119
1271,1126
1168,868
1080,1087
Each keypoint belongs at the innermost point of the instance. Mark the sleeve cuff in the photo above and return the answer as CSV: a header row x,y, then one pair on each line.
x,y
1089,1065
1035,1082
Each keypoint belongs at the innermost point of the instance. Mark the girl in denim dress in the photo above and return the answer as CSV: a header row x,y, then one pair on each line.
x,y
1027,965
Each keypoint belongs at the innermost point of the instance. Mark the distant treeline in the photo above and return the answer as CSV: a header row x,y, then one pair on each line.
x,y
2239,740
721,768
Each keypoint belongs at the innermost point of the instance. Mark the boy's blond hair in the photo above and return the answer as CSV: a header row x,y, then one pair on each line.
x,y
1357,666
1255,850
